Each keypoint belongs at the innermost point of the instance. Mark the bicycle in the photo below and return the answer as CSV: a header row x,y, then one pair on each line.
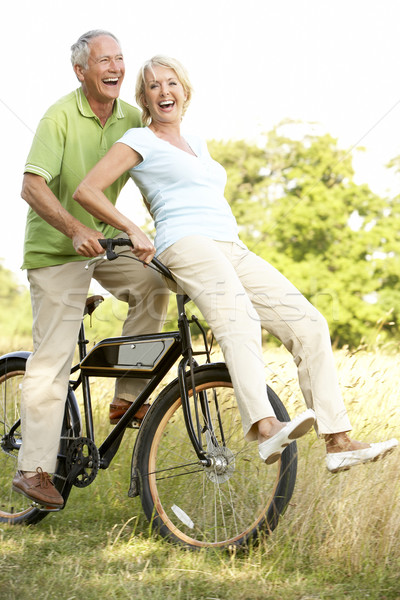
x,y
200,483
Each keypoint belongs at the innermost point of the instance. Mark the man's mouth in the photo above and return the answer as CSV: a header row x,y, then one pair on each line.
x,y
111,81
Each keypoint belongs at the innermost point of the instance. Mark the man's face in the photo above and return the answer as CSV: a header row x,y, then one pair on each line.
x,y
101,81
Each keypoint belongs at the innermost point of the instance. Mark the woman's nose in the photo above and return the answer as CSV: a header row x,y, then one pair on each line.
x,y
164,89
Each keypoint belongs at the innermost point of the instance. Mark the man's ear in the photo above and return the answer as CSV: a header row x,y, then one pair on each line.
x,y
79,71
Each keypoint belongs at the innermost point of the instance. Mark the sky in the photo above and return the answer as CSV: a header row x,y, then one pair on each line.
x,y
252,63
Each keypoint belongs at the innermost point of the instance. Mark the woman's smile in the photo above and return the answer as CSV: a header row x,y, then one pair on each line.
x,y
164,93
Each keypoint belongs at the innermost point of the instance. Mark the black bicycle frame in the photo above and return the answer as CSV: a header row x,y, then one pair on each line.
x,y
181,345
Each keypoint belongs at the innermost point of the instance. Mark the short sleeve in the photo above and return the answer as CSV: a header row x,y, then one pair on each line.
x,y
46,154
137,139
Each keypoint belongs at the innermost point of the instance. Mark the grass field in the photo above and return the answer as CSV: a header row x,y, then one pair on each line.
x,y
339,538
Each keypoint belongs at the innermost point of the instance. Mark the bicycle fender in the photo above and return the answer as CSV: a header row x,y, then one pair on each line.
x,y
20,354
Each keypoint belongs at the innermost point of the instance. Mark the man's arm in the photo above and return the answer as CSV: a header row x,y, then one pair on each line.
x,y
41,199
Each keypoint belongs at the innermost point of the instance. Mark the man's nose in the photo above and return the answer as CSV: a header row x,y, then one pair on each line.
x,y
114,65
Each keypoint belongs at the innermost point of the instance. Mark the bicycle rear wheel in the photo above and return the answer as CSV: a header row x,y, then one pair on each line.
x,y
227,504
15,508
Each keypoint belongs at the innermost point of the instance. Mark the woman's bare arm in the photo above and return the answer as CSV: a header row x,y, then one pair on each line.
x,y
90,194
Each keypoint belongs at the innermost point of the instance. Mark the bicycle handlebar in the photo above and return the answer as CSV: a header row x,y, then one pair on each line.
x,y
109,244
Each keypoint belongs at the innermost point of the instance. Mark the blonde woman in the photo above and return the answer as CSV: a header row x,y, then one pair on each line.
x,y
238,292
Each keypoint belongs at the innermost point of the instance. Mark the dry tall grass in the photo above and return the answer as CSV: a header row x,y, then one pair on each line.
x,y
352,518
338,539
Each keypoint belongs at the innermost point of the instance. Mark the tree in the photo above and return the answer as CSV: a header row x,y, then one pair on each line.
x,y
299,208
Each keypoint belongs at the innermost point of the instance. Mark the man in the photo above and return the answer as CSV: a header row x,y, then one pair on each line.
x,y
72,136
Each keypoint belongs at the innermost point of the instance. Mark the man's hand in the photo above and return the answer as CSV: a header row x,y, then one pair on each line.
x,y
85,241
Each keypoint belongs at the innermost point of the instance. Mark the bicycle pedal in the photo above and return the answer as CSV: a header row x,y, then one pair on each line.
x,y
46,509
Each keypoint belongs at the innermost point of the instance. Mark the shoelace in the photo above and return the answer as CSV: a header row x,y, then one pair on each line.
x,y
44,479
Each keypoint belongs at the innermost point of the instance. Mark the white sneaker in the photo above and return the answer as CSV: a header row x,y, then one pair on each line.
x,y
271,449
341,461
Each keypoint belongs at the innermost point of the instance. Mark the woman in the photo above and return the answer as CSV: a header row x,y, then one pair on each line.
x,y
237,291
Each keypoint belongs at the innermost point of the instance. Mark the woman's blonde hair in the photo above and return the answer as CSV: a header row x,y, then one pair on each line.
x,y
169,63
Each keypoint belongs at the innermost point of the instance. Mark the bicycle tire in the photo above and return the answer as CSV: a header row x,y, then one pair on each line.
x,y
16,509
192,505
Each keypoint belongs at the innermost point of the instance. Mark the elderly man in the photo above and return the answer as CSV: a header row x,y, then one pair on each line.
x,y
72,136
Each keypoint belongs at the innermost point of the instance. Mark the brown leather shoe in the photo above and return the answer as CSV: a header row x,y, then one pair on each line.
x,y
118,410
38,488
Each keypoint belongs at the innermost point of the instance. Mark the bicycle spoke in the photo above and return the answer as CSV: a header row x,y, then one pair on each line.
x,y
224,502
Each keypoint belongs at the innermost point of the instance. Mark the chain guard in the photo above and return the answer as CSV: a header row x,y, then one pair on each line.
x,y
82,462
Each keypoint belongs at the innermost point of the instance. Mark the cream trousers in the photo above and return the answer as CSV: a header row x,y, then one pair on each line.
x,y
238,292
58,297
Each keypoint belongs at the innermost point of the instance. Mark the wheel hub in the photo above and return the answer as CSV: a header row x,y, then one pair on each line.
x,y
222,464
9,443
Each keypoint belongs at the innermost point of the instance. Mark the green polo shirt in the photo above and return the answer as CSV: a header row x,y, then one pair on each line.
x,y
69,141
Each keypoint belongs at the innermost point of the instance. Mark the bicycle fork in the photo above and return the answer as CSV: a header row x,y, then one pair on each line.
x,y
198,419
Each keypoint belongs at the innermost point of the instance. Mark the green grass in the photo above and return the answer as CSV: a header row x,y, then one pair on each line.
x,y
339,538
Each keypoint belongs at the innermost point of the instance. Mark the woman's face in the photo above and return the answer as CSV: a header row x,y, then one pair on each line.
x,y
164,95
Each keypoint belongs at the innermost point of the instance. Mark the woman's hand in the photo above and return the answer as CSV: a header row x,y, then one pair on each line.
x,y
143,248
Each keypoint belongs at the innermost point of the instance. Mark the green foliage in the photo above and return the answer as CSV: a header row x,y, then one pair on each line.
x,y
15,313
299,208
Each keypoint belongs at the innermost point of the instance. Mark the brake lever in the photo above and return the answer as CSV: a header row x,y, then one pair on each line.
x,y
107,244
94,260
111,255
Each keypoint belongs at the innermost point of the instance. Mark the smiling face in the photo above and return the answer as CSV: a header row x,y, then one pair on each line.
x,y
164,95
101,80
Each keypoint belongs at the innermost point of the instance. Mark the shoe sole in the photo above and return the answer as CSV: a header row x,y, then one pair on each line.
x,y
276,456
134,424
298,432
44,504
363,462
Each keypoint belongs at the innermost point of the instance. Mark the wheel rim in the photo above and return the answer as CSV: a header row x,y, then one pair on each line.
x,y
220,505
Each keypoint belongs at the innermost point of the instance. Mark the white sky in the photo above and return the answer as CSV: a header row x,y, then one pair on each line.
x,y
252,64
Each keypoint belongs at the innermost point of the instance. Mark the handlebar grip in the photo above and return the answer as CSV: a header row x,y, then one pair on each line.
x,y
109,243
115,242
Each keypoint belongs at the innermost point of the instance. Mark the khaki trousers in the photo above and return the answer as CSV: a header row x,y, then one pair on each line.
x,y
58,296
237,291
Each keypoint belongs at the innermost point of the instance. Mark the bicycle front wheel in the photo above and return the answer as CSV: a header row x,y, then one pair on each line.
x,y
15,508
224,505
